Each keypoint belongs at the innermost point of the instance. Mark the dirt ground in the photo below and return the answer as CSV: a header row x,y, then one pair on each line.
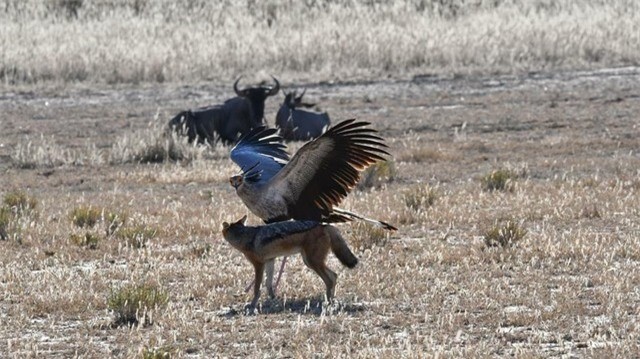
x,y
568,289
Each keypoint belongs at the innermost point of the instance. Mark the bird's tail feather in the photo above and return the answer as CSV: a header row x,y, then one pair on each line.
x,y
342,215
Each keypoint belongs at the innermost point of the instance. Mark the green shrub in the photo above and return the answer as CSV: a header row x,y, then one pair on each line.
x,y
135,304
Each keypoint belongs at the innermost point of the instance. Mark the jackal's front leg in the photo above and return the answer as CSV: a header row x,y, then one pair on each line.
x,y
259,271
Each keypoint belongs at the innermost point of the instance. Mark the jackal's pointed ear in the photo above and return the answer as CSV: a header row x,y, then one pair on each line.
x,y
225,225
243,219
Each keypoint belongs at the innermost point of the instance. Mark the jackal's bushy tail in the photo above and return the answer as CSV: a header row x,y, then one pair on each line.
x,y
340,248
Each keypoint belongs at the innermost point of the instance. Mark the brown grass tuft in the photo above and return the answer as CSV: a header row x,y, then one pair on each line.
x,y
504,235
136,236
420,197
499,180
365,236
377,174
84,216
136,304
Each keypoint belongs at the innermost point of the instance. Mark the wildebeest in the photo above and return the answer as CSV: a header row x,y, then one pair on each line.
x,y
227,121
300,125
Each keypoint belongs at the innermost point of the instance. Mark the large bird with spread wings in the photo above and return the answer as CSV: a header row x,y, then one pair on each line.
x,y
311,184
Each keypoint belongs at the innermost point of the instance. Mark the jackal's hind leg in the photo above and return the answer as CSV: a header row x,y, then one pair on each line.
x,y
270,288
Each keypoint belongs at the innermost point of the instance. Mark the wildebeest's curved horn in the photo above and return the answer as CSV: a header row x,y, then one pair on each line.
x,y
274,90
299,98
235,87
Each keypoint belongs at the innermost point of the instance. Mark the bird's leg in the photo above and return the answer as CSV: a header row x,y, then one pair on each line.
x,y
284,261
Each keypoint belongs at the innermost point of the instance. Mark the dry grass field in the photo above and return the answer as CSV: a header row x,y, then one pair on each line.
x,y
566,142
514,180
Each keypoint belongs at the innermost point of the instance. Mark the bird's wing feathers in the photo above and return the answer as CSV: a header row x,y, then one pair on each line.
x,y
260,152
323,172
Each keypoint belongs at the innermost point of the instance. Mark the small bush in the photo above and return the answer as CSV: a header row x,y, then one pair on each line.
x,y
5,222
115,221
68,8
88,240
590,212
377,174
365,235
157,353
154,145
201,250
499,180
505,235
136,236
85,216
20,203
135,304
15,206
421,197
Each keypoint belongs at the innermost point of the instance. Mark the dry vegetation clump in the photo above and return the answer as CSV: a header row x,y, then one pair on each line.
x,y
504,234
88,240
157,353
377,174
422,154
153,145
84,216
334,39
17,211
20,203
365,236
115,221
46,152
590,212
136,304
501,180
136,236
420,197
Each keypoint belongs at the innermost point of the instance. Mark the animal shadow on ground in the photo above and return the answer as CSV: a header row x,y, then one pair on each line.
x,y
309,306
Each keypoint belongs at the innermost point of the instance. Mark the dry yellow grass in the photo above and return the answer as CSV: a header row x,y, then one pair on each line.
x,y
569,287
432,289
197,41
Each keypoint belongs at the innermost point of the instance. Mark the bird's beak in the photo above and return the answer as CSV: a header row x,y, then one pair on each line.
x,y
235,181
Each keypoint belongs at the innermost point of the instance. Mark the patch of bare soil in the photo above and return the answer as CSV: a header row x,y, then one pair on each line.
x,y
568,288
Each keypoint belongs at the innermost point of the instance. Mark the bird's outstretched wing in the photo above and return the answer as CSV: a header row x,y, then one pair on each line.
x,y
323,171
260,154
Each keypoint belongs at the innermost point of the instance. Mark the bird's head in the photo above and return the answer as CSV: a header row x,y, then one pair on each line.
x,y
236,181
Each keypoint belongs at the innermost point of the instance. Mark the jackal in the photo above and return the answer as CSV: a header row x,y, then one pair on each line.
x,y
313,240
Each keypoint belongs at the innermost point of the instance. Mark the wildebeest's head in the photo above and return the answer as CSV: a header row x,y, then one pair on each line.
x,y
259,93
293,101
256,97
